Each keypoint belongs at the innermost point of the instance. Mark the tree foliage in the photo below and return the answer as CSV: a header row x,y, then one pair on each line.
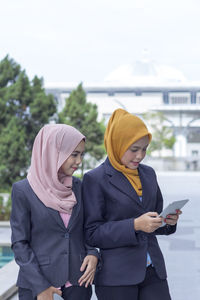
x,y
24,109
5,209
83,116
162,135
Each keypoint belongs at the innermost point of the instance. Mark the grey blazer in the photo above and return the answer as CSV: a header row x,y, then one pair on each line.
x,y
47,253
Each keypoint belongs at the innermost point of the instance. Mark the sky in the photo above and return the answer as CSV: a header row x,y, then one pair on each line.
x,y
85,40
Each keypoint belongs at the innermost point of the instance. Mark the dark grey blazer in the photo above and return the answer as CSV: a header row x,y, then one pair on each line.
x,y
110,205
48,253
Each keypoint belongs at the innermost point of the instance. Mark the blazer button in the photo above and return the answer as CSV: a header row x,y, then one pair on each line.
x,y
66,235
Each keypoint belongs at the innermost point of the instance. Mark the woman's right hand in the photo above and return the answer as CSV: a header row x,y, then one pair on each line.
x,y
48,293
148,222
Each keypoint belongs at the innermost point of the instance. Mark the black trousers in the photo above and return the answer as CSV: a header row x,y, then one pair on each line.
x,y
152,288
77,293
70,293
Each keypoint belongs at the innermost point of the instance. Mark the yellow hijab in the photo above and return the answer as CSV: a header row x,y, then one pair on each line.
x,y
122,131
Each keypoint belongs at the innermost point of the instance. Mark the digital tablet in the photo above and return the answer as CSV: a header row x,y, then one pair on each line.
x,y
172,207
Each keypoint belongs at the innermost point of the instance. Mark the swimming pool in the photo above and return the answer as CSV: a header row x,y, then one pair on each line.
x,y
6,255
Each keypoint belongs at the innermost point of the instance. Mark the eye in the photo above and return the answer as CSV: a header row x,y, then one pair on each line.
x,y
134,150
82,154
74,154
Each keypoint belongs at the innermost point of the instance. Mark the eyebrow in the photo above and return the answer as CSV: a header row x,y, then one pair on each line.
x,y
138,147
77,151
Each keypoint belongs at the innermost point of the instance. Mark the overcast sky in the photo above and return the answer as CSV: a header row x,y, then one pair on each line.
x,y
84,40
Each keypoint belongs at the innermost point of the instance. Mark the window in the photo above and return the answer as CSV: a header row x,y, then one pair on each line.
x,y
179,100
195,152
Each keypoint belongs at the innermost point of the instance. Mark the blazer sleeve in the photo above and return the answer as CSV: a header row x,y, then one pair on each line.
x,y
30,273
167,229
99,232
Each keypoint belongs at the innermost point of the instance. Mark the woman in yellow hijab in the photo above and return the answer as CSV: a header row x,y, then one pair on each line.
x,y
122,205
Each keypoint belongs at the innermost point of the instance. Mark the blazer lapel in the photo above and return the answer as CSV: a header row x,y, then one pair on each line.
x,y
147,186
76,208
121,182
56,216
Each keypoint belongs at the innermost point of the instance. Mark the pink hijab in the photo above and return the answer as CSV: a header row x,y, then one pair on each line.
x,y
53,144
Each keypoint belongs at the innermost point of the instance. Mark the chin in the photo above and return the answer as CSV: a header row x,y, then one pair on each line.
x,y
133,167
69,173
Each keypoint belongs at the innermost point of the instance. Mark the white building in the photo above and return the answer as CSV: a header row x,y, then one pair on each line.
x,y
147,86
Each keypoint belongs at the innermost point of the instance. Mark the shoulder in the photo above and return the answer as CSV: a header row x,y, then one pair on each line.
x,y
22,186
147,170
22,195
76,180
96,172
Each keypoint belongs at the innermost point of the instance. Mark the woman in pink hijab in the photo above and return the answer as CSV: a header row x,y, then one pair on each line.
x,y
47,220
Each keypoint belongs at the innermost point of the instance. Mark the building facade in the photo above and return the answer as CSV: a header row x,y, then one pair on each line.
x,y
178,100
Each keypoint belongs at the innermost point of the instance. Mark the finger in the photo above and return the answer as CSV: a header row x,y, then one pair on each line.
x,y
89,281
57,291
92,279
157,220
152,214
86,276
84,264
172,217
170,221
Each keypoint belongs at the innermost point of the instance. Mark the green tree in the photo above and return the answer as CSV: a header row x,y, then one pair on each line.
x,y
24,109
83,116
5,209
163,136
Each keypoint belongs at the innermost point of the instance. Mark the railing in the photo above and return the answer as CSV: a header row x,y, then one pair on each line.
x,y
9,272
8,276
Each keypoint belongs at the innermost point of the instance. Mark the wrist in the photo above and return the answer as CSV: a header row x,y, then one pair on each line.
x,y
135,223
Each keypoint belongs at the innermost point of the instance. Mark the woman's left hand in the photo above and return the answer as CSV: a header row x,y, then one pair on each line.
x,y
172,219
89,266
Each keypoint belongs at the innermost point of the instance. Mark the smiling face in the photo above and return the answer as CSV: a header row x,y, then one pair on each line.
x,y
74,160
135,153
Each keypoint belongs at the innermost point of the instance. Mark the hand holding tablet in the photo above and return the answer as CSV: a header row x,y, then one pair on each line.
x,y
172,208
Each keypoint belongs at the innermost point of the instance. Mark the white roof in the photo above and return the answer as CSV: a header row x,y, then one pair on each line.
x,y
143,73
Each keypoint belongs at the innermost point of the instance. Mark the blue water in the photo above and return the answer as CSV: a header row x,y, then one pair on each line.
x,y
6,255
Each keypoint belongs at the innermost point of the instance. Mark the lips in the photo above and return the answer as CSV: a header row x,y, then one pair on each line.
x,y
74,168
135,163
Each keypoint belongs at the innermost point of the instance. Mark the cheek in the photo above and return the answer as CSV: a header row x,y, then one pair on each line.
x,y
128,156
66,165
143,154
131,156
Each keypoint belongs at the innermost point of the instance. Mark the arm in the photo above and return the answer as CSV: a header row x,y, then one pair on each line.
x,y
21,236
100,232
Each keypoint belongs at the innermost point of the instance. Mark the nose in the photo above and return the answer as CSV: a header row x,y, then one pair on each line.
x,y
78,159
139,155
